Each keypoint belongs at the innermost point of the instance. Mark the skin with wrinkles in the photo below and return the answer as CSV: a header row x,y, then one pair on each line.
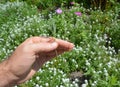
x,y
29,57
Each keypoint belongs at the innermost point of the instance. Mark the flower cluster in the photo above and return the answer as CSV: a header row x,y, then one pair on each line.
x,y
59,11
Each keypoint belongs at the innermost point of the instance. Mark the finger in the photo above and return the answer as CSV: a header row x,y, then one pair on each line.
x,y
54,53
64,44
36,39
44,47
40,39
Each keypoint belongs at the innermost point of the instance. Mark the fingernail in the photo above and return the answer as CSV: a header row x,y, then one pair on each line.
x,y
72,45
51,39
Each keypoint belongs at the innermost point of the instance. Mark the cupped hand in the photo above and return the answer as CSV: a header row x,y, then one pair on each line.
x,y
29,56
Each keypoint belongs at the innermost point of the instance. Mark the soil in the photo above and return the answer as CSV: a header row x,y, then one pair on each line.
x,y
80,76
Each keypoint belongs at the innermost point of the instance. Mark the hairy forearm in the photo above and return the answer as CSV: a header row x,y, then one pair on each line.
x,y
7,79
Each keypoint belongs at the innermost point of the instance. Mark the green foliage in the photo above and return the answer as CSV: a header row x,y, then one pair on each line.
x,y
114,34
52,4
95,34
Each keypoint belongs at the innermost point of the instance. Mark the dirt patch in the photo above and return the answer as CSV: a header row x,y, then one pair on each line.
x,y
80,76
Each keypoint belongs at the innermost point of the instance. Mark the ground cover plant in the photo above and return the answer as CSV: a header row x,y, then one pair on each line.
x,y
95,60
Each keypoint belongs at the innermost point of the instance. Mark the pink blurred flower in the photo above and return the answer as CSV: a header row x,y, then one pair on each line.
x,y
58,11
78,13
72,3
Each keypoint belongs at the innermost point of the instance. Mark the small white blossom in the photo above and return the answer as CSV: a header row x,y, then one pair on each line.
x,y
46,84
84,85
37,85
37,78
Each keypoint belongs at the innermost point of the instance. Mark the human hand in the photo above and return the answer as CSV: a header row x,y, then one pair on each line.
x,y
33,53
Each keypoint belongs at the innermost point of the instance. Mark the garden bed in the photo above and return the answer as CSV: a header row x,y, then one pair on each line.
x,y
95,60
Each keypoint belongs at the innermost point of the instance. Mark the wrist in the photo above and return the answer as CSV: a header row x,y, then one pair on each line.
x,y
6,77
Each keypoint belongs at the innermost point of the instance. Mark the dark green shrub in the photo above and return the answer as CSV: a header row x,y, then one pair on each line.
x,y
52,4
114,34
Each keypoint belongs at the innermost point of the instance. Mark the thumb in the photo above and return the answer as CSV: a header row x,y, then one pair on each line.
x,y
44,47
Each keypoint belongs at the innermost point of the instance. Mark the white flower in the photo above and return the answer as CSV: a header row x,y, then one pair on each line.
x,y
84,85
16,86
46,84
73,60
76,85
76,80
87,63
76,66
86,81
37,78
73,82
93,84
61,86
65,80
80,48
100,64
105,36
36,85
